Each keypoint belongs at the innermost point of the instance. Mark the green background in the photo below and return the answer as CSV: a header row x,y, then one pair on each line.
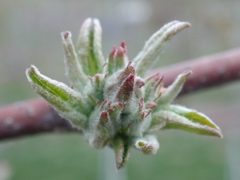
x,y
30,34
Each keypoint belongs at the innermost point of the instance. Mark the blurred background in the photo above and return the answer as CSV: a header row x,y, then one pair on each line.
x,y
30,34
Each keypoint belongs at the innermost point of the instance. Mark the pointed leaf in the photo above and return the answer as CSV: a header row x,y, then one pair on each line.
x,y
193,115
74,70
176,121
174,89
151,50
122,152
66,101
89,47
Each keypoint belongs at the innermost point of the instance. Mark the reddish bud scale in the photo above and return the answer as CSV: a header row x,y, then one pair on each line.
x,y
155,80
117,58
139,82
115,110
153,86
124,46
141,104
121,59
120,52
104,117
151,105
103,105
127,71
147,112
126,89
112,54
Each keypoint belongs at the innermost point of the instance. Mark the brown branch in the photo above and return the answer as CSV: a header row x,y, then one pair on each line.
x,y
207,71
36,116
30,117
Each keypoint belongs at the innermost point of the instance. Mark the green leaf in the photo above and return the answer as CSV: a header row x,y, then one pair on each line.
x,y
89,47
122,152
174,89
74,70
152,48
193,115
198,125
66,101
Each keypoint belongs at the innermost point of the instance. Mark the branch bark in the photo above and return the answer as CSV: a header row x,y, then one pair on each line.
x,y
36,116
208,71
31,117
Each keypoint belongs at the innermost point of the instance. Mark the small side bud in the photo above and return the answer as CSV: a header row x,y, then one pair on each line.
x,y
148,145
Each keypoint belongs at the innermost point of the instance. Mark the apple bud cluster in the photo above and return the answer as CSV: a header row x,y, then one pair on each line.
x,y
111,100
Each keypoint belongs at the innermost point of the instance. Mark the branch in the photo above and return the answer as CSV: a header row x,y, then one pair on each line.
x,y
30,117
36,116
208,71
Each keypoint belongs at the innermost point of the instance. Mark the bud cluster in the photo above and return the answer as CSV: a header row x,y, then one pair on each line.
x,y
112,101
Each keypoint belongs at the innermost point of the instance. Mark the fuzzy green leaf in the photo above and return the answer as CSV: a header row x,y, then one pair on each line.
x,y
152,48
192,115
66,101
89,47
198,125
174,89
122,152
74,70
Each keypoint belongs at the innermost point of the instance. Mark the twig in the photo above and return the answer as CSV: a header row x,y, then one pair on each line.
x,y
36,116
30,117
208,71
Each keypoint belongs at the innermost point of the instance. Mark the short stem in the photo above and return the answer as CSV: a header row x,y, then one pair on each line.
x,y
107,168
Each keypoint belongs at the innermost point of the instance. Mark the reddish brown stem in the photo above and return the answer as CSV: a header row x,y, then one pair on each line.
x,y
30,117
36,116
207,71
